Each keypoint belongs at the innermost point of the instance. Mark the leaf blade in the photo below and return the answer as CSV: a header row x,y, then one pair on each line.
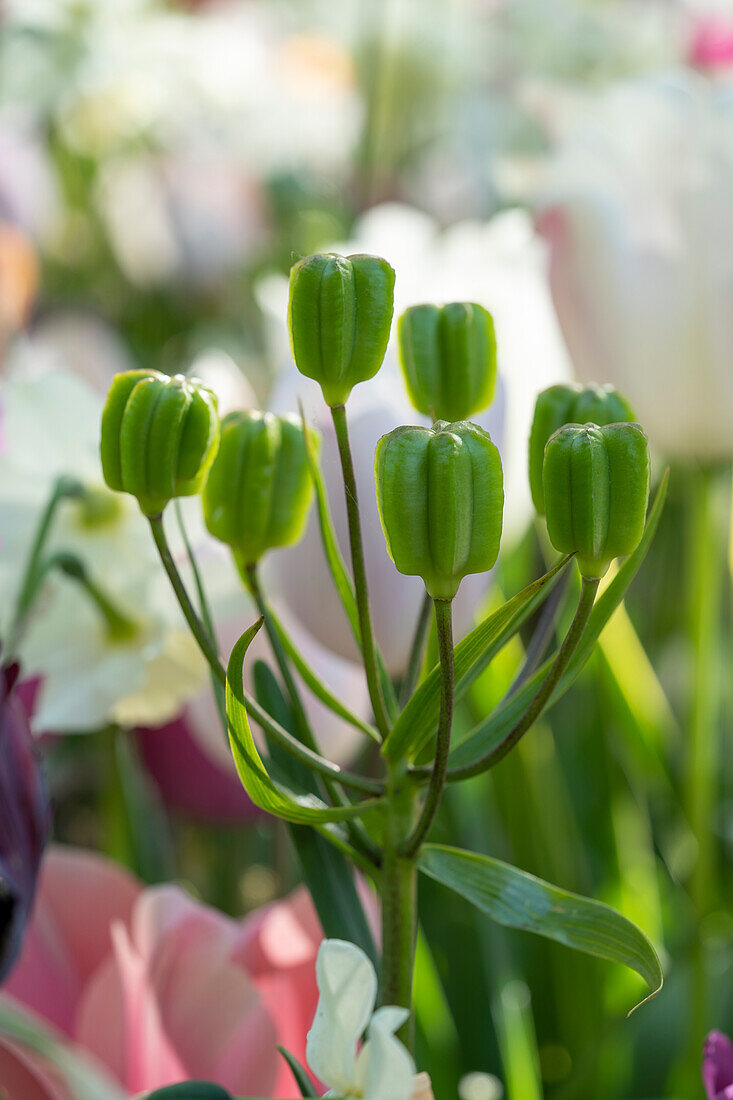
x,y
264,792
487,735
519,900
420,715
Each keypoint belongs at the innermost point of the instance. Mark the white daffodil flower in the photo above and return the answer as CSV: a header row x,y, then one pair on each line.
x,y
90,673
382,1069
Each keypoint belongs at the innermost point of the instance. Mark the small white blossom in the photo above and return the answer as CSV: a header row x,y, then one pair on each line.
x,y
382,1069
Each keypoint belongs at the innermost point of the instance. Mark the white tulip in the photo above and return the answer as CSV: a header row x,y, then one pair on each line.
x,y
382,1069
636,207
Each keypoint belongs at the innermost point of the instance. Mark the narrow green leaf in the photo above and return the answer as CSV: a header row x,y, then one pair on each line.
x,y
85,1080
337,566
419,718
519,900
326,871
491,732
277,800
300,1074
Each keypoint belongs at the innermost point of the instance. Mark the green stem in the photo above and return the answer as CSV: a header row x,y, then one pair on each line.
x,y
707,578
399,907
291,744
65,488
206,615
120,626
358,566
417,650
444,625
530,716
199,631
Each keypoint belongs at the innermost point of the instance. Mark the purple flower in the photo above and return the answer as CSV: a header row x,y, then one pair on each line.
x,y
717,1066
24,821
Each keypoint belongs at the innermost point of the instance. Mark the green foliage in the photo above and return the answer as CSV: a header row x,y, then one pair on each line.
x,y
491,731
264,792
419,718
514,898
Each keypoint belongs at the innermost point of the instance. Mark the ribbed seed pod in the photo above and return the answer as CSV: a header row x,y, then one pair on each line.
x,y
569,404
448,359
259,490
159,436
441,497
339,316
596,484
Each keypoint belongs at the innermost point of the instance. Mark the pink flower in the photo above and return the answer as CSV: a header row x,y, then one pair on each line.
x,y
717,1066
711,46
23,1076
189,779
159,988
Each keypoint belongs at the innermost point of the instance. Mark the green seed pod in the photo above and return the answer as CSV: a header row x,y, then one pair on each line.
x,y
448,359
339,316
159,437
569,404
259,490
440,494
596,484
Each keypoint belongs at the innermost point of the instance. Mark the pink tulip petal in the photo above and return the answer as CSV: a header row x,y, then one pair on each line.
x,y
23,1076
278,947
80,894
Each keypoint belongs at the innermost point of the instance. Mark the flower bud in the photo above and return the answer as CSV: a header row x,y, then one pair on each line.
x,y
259,490
339,316
440,494
448,359
159,437
596,485
569,404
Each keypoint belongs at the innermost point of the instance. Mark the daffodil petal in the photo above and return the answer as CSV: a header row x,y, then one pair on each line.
x,y
385,1070
347,984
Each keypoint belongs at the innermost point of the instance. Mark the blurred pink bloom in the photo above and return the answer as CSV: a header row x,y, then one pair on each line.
x,y
711,45
160,988
717,1066
189,779
24,821
24,1077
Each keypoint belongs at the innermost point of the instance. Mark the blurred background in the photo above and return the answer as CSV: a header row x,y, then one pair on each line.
x,y
569,165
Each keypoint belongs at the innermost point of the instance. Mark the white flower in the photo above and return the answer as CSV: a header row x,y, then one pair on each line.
x,y
50,423
499,264
636,207
383,1069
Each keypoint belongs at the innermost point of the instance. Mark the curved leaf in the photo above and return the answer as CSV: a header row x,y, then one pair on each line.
x,y
491,732
419,718
519,900
277,800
